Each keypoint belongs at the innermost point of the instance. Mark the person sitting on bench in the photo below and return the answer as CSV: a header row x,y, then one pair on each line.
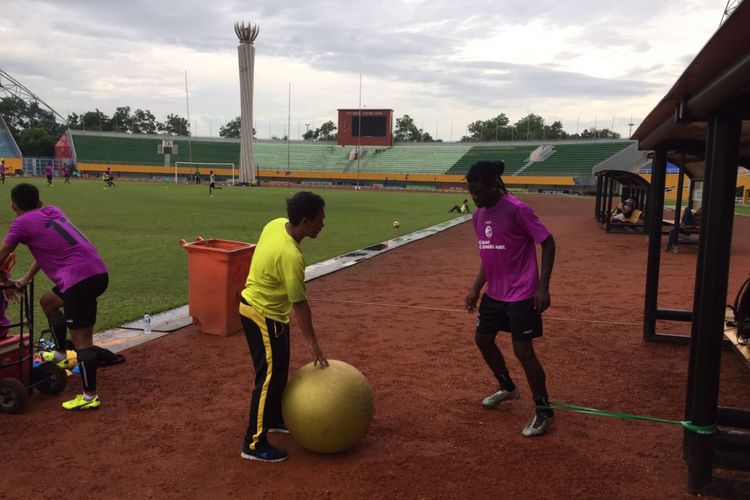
x,y
625,212
690,219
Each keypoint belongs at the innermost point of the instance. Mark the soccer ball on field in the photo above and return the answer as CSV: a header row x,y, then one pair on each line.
x,y
395,223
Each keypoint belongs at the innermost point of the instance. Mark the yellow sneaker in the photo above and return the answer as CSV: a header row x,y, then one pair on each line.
x,y
81,403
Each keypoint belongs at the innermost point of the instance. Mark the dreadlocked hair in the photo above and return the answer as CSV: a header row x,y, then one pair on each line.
x,y
488,173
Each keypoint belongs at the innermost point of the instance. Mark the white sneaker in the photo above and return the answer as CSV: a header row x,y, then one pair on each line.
x,y
495,399
538,426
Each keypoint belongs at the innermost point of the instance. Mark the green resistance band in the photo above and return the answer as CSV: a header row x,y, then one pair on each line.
x,y
699,429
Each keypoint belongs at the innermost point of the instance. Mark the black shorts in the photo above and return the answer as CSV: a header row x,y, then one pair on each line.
x,y
518,318
212,185
79,301
49,178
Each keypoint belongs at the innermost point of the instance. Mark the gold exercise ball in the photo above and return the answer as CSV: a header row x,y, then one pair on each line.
x,y
328,410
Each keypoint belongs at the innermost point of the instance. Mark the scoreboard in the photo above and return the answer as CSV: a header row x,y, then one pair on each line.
x,y
366,127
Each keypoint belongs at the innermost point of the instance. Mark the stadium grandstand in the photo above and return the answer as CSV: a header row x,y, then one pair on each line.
x,y
9,150
565,165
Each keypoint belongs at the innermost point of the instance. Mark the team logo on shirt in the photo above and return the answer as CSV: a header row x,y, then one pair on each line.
x,y
488,231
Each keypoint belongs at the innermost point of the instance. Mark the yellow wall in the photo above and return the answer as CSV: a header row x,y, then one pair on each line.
x,y
511,180
744,181
12,165
98,168
670,184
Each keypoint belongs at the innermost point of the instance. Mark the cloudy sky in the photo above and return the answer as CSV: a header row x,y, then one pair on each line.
x,y
444,63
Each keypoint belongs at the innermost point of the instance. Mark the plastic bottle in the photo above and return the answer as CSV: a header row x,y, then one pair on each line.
x,y
147,324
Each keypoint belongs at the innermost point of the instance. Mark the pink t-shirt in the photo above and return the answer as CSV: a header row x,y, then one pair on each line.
x,y
4,321
60,249
507,235
48,170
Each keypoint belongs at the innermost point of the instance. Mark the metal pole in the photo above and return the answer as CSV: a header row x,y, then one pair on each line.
x,y
359,130
190,144
678,200
653,225
717,221
696,298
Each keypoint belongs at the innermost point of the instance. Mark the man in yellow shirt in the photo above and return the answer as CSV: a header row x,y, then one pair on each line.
x,y
275,286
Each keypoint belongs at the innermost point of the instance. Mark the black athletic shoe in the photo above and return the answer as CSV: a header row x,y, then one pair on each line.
x,y
263,452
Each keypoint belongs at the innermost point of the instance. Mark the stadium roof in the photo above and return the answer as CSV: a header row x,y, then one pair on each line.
x,y
719,75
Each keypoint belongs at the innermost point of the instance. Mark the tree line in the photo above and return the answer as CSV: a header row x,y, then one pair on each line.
x,y
529,128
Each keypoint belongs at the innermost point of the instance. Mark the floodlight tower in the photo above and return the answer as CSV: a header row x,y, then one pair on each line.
x,y
728,9
10,87
246,53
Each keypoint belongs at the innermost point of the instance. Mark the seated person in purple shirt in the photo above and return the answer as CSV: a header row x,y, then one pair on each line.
x,y
507,232
80,276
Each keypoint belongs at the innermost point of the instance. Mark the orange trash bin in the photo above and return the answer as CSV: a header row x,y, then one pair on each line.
x,y
217,270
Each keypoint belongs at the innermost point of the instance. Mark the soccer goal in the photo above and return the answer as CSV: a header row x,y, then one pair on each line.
x,y
204,168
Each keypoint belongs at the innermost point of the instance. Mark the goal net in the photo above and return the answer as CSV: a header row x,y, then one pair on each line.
x,y
187,170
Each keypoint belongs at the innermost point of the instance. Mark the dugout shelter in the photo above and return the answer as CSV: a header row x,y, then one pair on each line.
x,y
613,187
705,117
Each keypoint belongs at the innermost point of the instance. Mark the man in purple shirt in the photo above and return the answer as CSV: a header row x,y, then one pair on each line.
x,y
2,171
48,172
80,275
507,233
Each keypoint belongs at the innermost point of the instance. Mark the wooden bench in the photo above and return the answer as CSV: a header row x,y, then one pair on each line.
x,y
632,224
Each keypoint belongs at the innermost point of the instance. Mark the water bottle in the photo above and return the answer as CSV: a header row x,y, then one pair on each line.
x,y
147,324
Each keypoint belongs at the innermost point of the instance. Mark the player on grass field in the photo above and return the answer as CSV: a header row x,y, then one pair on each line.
x,y
48,171
212,183
275,286
80,276
507,232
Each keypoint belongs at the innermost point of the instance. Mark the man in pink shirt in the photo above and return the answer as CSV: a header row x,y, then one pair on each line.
x,y
2,171
75,267
507,233
48,171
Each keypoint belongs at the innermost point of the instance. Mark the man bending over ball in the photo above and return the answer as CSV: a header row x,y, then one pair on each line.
x,y
507,232
275,286
78,272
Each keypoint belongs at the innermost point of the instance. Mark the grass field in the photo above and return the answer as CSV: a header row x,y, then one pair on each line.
x,y
137,227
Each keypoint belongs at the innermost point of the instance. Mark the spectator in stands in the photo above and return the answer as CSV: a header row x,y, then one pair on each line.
x,y
464,208
2,171
48,171
624,211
